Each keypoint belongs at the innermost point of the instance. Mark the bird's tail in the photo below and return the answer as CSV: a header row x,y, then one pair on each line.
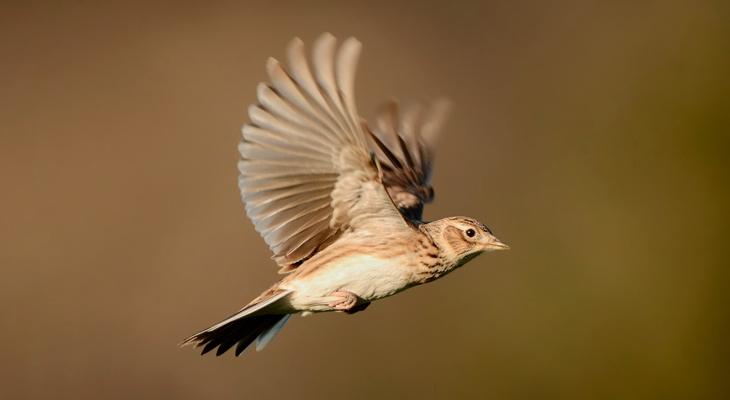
x,y
260,321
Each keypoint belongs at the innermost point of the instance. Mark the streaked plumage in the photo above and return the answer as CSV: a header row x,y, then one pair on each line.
x,y
339,203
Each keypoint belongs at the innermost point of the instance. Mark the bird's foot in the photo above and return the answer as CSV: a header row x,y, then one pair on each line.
x,y
347,302
359,307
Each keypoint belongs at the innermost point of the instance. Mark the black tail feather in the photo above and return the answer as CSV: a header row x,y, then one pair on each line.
x,y
259,317
242,331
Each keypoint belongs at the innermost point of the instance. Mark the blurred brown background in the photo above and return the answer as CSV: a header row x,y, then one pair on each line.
x,y
596,135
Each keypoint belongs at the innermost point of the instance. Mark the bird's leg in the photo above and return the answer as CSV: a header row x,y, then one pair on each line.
x,y
347,302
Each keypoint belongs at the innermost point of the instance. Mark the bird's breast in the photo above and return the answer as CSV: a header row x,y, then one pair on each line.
x,y
369,277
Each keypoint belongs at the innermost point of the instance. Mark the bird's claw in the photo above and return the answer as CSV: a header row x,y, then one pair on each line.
x,y
346,302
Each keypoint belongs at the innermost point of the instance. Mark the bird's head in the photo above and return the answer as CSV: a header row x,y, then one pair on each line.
x,y
460,239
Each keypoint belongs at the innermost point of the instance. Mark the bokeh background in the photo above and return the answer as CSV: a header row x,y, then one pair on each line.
x,y
591,136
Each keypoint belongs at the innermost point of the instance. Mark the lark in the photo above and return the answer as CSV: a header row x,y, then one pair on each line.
x,y
338,202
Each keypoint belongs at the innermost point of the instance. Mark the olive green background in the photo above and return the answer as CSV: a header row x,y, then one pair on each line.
x,y
590,136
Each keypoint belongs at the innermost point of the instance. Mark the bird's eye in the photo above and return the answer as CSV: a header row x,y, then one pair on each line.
x,y
470,232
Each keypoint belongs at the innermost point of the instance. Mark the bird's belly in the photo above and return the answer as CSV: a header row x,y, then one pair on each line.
x,y
368,277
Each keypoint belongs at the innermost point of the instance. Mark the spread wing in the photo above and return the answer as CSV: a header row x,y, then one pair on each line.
x,y
404,148
306,173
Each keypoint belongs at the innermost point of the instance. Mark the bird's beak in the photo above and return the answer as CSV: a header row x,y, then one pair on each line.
x,y
495,244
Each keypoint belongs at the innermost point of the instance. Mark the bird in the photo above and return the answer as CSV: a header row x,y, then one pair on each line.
x,y
338,202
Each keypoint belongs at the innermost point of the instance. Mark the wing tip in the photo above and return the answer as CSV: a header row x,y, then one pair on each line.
x,y
325,36
271,64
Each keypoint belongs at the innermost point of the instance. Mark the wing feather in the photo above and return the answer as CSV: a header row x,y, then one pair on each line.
x,y
306,173
404,148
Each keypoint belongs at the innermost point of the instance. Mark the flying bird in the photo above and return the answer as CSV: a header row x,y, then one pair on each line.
x,y
338,202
